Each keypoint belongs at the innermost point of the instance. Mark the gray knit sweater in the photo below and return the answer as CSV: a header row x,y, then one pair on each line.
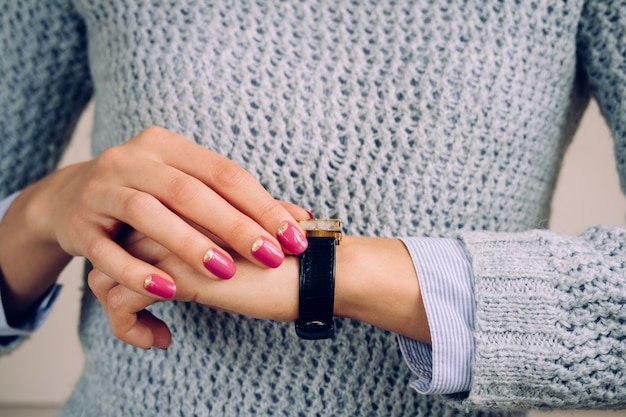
x,y
425,118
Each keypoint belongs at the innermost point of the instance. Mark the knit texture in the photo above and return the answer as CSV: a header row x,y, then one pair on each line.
x,y
402,118
43,86
550,326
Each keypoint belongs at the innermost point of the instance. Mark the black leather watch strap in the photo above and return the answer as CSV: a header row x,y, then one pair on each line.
x,y
317,289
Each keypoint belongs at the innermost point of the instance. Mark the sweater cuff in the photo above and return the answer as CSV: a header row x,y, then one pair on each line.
x,y
548,319
446,283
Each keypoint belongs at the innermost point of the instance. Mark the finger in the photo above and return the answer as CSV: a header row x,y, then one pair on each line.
x,y
243,193
147,215
161,334
146,249
112,260
100,285
152,252
128,319
296,211
195,201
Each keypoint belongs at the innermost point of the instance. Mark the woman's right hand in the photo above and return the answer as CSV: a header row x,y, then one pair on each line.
x,y
158,183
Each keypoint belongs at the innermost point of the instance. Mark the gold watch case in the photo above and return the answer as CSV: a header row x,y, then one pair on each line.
x,y
322,228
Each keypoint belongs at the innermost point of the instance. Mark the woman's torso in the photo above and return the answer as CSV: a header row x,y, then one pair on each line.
x,y
401,118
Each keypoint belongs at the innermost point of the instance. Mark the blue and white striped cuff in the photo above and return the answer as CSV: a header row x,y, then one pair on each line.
x,y
447,286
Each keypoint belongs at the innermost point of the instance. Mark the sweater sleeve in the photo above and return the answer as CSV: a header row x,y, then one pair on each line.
x,y
44,86
550,315
602,55
550,325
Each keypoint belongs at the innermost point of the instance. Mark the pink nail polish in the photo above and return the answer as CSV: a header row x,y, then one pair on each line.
x,y
292,238
219,264
159,286
266,252
311,216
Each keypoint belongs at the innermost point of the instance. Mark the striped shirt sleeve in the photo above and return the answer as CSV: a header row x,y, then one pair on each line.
x,y
32,323
447,286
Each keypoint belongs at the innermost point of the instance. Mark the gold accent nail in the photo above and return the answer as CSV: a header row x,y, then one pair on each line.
x,y
208,255
257,245
282,228
147,282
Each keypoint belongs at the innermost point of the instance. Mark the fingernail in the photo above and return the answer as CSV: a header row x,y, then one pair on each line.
x,y
267,253
292,238
219,264
160,286
311,216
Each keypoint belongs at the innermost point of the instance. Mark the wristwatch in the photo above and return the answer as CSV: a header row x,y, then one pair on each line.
x,y
317,279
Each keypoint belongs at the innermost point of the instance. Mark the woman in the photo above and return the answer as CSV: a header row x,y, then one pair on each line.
x,y
441,124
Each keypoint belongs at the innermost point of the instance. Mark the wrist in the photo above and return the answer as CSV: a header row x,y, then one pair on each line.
x,y
348,294
30,260
376,283
36,209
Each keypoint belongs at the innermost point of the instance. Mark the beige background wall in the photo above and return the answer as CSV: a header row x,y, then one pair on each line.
x,y
38,377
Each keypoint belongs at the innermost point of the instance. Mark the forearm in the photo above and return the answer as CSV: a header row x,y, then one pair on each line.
x,y
376,283
29,264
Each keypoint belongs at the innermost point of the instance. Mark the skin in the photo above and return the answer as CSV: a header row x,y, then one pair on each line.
x,y
79,210
384,291
161,198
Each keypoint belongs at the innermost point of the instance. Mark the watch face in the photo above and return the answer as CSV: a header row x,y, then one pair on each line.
x,y
322,228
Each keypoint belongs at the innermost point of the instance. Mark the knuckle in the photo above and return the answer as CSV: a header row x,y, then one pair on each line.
x,y
129,274
153,134
111,159
155,131
190,243
136,205
116,299
239,228
182,189
270,208
230,175
94,250
94,281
